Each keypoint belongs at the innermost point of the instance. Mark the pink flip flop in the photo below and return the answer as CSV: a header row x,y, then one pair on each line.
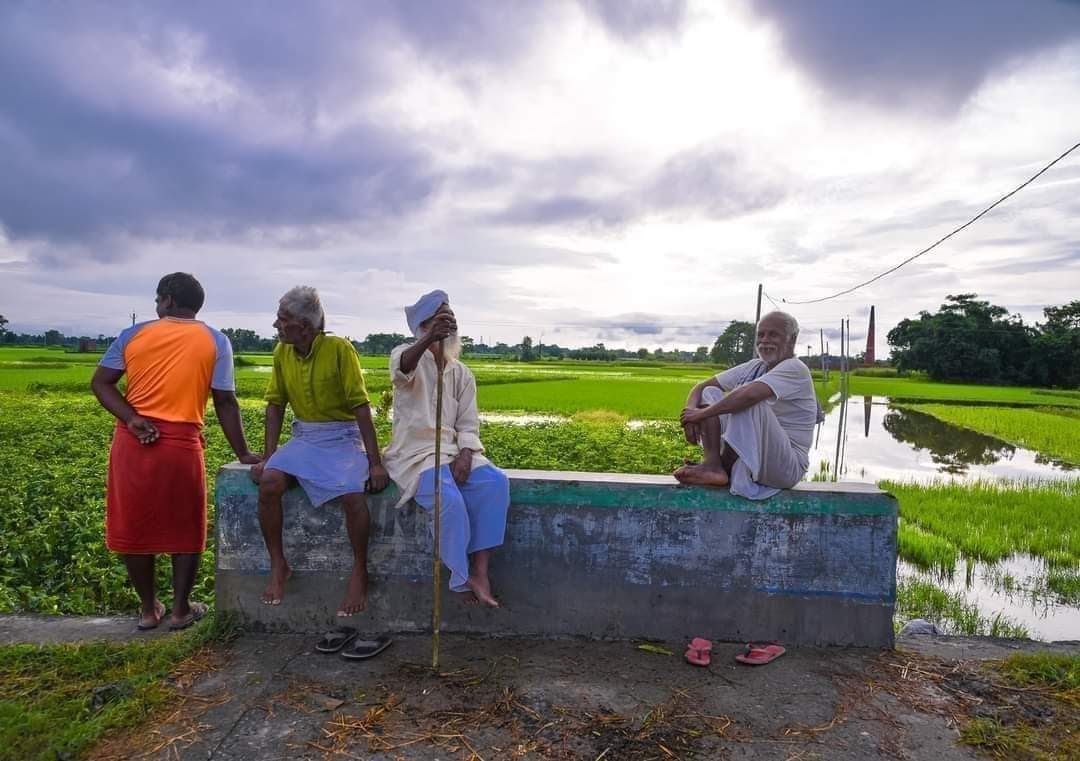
x,y
699,652
759,655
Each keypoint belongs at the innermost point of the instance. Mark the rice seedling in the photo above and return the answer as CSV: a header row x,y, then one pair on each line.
x,y
925,550
990,521
952,612
1056,436
1064,584
920,388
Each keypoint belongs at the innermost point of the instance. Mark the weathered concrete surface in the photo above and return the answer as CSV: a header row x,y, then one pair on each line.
x,y
271,696
596,555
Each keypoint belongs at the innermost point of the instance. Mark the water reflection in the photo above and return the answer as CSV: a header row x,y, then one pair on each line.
x,y
954,449
1014,588
872,440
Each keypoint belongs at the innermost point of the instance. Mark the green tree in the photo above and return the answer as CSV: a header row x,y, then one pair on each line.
x,y
527,354
3,325
965,340
701,354
734,345
381,343
1055,355
53,338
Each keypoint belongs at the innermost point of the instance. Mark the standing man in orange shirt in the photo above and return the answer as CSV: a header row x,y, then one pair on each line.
x,y
156,500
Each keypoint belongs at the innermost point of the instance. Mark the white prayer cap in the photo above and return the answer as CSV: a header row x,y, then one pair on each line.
x,y
425,309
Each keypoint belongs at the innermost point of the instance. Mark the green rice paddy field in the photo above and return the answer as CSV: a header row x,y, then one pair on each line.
x,y
55,445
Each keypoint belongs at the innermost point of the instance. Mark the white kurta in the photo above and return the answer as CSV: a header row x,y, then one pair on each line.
x,y
412,444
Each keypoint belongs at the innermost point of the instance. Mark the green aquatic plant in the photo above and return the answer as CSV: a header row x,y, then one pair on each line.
x,y
1052,435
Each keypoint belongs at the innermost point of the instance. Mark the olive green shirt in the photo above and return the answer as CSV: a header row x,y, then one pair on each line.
x,y
325,385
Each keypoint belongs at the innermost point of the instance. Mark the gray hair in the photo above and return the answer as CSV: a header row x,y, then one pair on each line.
x,y
791,325
302,302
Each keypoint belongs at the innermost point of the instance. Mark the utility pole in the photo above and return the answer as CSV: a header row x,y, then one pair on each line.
x,y
847,352
868,358
133,319
757,318
824,369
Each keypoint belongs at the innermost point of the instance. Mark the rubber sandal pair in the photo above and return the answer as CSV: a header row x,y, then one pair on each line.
x,y
759,655
344,639
198,610
699,652
159,613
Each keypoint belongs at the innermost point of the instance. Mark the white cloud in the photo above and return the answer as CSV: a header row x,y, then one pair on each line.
x,y
561,180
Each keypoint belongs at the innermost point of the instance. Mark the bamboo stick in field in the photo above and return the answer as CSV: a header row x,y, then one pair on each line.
x,y
436,571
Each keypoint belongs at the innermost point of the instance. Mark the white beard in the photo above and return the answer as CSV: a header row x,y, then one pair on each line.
x,y
452,346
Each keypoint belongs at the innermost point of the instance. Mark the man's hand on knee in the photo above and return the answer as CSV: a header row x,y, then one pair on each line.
x,y
461,467
378,479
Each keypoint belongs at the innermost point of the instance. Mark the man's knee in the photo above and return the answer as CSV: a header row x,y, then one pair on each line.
x,y
354,503
496,481
272,484
711,395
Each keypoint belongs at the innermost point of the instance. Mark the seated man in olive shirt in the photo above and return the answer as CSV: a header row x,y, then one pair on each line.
x,y
319,376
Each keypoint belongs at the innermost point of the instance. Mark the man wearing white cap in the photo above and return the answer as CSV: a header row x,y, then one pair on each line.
x,y
475,494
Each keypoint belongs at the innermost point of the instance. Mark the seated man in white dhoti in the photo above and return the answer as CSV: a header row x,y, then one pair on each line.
x,y
333,452
754,421
475,494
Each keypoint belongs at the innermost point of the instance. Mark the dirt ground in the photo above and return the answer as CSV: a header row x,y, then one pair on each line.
x,y
275,697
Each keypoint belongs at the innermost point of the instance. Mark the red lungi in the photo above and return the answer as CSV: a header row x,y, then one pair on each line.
x,y
157,492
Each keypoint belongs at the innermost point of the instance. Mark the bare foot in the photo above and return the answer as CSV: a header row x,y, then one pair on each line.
x,y
275,588
681,471
151,620
481,587
699,475
468,598
355,594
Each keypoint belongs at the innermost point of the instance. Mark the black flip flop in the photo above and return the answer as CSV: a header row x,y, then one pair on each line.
x,y
366,648
335,639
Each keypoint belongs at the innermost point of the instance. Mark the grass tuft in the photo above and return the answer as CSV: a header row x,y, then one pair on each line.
x,y
58,700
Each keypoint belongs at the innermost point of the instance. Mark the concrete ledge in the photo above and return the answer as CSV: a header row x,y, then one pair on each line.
x,y
597,555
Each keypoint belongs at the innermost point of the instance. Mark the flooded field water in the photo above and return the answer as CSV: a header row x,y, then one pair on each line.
x,y
879,440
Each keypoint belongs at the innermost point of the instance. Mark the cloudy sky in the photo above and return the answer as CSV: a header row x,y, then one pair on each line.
x,y
599,170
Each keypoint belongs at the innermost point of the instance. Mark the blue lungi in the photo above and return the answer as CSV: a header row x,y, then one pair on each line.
x,y
328,459
473,515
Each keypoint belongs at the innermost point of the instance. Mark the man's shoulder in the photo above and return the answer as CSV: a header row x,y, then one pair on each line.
x,y
463,369
794,367
340,344
127,333
219,337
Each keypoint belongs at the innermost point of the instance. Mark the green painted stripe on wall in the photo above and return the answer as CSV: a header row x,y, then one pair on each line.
x,y
657,497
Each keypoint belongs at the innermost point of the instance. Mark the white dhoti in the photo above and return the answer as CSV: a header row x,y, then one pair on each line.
x,y
768,459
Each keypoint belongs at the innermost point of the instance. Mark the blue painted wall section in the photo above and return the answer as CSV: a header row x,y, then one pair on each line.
x,y
596,555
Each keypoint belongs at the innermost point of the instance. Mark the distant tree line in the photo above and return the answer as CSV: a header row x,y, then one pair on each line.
x,y
972,340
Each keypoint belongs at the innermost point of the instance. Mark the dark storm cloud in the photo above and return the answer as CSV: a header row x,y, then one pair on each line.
x,y
921,53
88,160
632,19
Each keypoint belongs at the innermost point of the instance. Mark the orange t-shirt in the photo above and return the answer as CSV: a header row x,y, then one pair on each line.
x,y
171,365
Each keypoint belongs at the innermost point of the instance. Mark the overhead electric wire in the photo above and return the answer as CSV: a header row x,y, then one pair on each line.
x,y
936,243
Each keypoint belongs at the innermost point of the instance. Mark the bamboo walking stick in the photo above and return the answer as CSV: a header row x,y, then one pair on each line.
x,y
436,572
